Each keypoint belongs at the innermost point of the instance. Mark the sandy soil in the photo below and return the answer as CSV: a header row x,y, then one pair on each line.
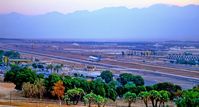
x,y
5,89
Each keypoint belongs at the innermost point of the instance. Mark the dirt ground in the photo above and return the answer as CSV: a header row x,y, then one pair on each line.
x,y
5,89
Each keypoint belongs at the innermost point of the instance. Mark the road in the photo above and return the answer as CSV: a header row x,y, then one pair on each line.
x,y
151,77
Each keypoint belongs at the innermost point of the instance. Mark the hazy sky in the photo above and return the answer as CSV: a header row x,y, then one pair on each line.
x,y
33,7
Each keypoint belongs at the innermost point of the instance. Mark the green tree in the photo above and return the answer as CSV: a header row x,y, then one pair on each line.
x,y
189,98
25,75
110,89
149,88
50,81
57,68
107,76
120,91
75,95
100,100
34,65
98,87
68,82
170,87
145,97
138,80
1,55
129,86
12,54
130,98
127,77
164,97
50,66
90,98
10,76
139,89
111,93
154,97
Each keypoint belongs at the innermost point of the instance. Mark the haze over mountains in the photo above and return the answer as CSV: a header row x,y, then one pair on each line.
x,y
158,22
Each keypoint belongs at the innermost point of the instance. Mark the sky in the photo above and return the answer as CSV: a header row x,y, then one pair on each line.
x,y
128,20
36,7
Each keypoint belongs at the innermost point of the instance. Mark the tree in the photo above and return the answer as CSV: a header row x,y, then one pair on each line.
x,y
170,87
127,77
111,93
164,97
120,91
154,97
51,80
189,98
50,66
90,98
149,88
58,90
100,100
10,76
28,89
40,86
1,55
107,76
34,65
130,98
57,68
110,89
12,54
140,89
98,87
19,75
85,85
75,95
129,86
68,82
138,80
34,90
26,75
145,97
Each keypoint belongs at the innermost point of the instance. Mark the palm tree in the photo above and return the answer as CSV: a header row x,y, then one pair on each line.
x,y
50,66
40,85
57,68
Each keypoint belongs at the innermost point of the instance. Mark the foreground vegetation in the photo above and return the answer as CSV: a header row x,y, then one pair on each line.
x,y
72,90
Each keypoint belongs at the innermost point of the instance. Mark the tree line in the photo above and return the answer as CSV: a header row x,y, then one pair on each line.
x,y
72,90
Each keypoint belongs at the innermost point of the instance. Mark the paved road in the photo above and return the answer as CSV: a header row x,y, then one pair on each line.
x,y
151,77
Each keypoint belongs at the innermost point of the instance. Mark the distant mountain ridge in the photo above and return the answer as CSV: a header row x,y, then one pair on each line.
x,y
155,22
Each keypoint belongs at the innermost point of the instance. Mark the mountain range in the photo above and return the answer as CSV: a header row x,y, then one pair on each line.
x,y
156,22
